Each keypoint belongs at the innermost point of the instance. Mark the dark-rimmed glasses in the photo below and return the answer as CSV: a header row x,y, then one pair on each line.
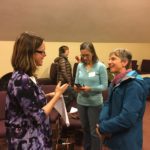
x,y
85,55
41,52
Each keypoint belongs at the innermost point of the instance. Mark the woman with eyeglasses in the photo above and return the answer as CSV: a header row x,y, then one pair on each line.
x,y
91,79
27,110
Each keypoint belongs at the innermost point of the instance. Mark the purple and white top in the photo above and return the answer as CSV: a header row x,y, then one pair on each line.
x,y
27,126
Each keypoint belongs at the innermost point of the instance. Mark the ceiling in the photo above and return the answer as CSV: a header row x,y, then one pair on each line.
x,y
110,21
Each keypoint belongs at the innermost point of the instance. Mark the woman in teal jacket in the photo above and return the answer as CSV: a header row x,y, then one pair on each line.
x,y
121,116
92,75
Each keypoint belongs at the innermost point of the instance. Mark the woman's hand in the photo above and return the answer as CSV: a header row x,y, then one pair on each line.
x,y
82,88
85,88
77,89
102,138
50,94
60,89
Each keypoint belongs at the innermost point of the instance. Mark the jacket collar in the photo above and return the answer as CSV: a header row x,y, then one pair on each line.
x,y
130,75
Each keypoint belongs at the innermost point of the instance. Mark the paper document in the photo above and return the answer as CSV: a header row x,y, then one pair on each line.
x,y
73,110
61,108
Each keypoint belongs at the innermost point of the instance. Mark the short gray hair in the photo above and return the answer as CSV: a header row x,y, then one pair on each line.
x,y
123,54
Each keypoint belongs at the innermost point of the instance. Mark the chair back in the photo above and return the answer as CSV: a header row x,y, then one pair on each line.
x,y
134,65
4,81
145,66
74,70
2,104
53,73
48,88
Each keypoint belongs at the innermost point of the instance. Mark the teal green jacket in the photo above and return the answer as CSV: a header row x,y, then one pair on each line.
x,y
96,78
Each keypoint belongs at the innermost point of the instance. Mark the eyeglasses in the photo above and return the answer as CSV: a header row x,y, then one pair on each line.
x,y
85,55
41,52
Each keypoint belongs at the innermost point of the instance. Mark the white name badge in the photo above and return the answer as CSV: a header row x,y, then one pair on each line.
x,y
92,74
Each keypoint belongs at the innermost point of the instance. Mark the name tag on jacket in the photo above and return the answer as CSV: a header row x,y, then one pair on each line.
x,y
92,74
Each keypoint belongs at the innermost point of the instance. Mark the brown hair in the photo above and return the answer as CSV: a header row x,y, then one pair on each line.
x,y
24,48
90,47
62,49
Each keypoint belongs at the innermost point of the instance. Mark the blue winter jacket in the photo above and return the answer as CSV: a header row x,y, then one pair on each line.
x,y
122,114
147,83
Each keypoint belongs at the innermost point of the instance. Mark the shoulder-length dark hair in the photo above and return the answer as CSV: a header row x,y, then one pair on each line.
x,y
24,48
90,47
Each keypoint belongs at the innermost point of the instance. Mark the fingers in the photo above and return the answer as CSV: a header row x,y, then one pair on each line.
x,y
97,131
61,88
59,83
97,125
65,86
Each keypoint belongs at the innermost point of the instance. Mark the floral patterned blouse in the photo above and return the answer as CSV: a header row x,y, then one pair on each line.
x,y
27,127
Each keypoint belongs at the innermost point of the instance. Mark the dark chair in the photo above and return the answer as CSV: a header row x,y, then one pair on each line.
x,y
110,76
48,88
44,81
54,115
74,131
4,81
145,66
134,65
3,86
0,85
2,114
53,73
52,80
74,70
75,123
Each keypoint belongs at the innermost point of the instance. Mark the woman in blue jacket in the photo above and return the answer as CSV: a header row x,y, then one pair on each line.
x,y
122,115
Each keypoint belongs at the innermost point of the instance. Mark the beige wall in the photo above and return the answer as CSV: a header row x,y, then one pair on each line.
x,y
139,50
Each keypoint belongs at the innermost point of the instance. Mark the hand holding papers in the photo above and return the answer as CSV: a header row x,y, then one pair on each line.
x,y
61,108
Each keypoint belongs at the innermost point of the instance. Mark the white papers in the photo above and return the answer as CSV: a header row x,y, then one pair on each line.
x,y
73,110
61,108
